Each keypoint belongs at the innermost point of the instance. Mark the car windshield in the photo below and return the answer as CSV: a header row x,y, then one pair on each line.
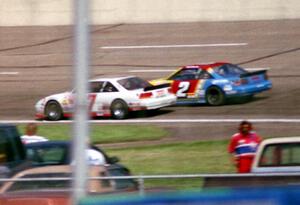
x,y
229,70
134,83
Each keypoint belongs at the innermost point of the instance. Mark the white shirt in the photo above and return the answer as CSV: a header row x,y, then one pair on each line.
x,y
94,157
32,138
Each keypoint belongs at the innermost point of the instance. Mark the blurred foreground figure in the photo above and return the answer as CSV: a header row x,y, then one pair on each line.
x,y
95,157
30,134
243,146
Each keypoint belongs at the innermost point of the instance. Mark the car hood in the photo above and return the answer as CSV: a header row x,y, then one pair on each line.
x,y
60,97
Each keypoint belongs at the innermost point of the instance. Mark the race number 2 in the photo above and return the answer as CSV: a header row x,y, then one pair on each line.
x,y
183,88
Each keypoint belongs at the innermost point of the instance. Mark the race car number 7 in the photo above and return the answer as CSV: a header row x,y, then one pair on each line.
x,y
183,88
92,98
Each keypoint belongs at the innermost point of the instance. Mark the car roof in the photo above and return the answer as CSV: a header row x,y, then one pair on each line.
x,y
6,125
280,140
204,65
110,78
50,143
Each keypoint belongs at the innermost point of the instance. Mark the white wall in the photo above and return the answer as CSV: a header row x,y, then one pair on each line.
x,y
59,12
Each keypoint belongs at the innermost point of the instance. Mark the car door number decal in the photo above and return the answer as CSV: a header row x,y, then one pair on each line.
x,y
183,88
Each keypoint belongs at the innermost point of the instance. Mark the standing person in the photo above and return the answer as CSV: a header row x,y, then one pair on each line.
x,y
30,134
243,146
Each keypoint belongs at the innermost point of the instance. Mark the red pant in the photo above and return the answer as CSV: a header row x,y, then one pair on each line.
x,y
244,164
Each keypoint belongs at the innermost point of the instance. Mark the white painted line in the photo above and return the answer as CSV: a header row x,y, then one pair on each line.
x,y
256,69
151,71
283,120
194,120
176,46
9,73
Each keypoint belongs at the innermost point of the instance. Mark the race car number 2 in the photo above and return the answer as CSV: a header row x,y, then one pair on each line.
x,y
183,88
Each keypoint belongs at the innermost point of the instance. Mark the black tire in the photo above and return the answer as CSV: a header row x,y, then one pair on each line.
x,y
215,96
119,109
53,111
249,98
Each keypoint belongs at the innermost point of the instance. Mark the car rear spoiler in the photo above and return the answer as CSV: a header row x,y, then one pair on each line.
x,y
154,87
259,72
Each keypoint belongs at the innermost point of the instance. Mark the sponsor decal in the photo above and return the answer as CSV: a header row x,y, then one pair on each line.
x,y
260,86
255,77
227,88
160,93
220,81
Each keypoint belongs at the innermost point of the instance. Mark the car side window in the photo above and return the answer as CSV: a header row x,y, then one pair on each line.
x,y
204,75
281,155
133,83
47,156
186,74
229,70
108,87
96,87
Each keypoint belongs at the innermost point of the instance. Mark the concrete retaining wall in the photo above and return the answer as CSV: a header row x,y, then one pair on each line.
x,y
59,12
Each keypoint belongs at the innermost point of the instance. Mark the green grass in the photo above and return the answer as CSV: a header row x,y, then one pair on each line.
x,y
176,158
200,157
103,133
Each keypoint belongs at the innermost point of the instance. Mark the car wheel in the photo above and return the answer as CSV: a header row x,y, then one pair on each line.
x,y
119,109
53,111
249,97
215,96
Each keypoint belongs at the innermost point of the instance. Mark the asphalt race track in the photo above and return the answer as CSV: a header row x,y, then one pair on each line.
x,y
37,61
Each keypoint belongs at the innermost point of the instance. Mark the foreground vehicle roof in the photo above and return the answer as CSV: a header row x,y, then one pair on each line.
x,y
206,65
281,140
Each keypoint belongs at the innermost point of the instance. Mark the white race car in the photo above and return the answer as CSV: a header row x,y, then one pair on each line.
x,y
114,97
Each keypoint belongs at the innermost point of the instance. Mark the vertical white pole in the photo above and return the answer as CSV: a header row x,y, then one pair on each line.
x,y
81,116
